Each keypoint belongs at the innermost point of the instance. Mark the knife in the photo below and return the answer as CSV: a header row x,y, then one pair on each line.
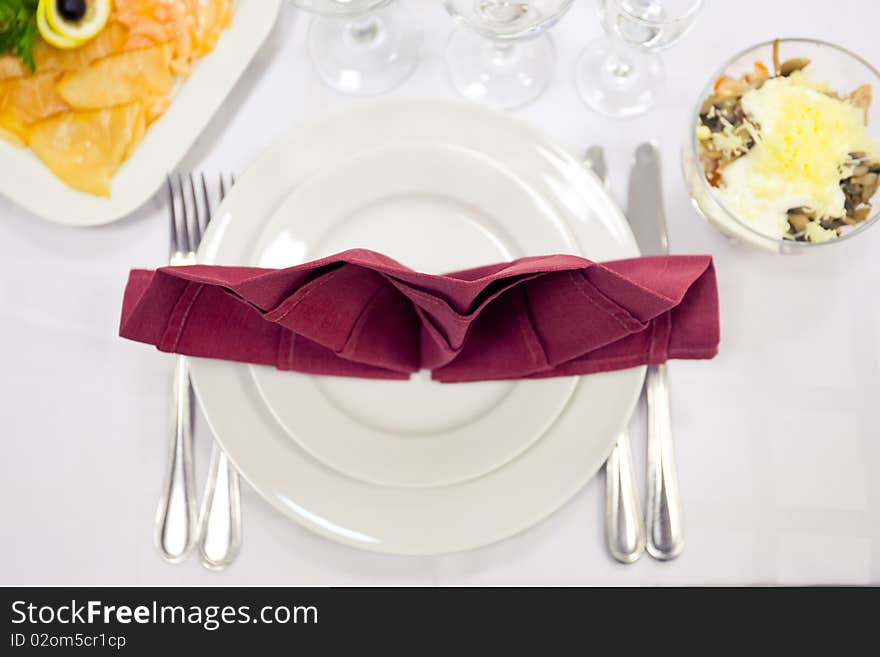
x,y
624,526
663,514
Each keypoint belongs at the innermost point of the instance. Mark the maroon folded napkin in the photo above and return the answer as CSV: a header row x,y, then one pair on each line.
x,y
359,313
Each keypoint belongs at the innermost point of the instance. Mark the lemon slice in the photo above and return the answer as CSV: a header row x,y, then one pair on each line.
x,y
80,31
51,36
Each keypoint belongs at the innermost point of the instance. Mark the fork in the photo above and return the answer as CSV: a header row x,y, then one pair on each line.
x,y
176,514
624,525
217,526
220,515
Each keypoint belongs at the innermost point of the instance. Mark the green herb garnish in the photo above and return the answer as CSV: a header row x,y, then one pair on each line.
x,y
18,29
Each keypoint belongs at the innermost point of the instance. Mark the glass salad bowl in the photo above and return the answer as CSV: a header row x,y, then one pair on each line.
x,y
843,72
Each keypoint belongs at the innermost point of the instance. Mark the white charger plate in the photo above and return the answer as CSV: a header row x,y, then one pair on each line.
x,y
28,182
415,467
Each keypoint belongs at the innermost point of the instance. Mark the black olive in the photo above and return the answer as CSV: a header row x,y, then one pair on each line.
x,y
72,10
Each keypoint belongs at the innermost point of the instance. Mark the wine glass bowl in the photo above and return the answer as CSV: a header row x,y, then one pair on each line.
x,y
649,25
501,54
506,20
339,7
362,47
621,74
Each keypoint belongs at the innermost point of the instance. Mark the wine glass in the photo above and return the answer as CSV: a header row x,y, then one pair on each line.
x,y
502,56
621,75
362,47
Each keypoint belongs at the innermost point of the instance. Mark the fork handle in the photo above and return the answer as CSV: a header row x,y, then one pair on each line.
x,y
624,526
220,515
176,514
664,521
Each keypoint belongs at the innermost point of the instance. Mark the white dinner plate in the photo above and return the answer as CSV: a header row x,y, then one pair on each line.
x,y
412,433
28,182
415,467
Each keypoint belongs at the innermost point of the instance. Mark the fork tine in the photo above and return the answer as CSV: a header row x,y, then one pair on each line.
x,y
197,225
173,217
207,201
222,187
186,244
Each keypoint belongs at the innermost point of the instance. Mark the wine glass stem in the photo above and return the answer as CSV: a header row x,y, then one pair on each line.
x,y
500,54
364,30
618,64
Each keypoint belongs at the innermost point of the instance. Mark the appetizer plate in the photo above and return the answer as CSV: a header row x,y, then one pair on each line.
x,y
415,467
28,182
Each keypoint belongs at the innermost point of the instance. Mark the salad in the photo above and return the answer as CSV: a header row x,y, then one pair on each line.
x,y
787,154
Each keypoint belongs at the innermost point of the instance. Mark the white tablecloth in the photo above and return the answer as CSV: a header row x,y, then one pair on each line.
x,y
777,440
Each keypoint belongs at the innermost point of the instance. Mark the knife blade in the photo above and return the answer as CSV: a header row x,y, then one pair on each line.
x,y
645,201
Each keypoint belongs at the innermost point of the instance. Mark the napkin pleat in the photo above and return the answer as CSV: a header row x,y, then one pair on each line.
x,y
574,317
309,357
360,313
692,329
177,318
502,342
327,308
387,333
217,323
661,329
649,286
435,348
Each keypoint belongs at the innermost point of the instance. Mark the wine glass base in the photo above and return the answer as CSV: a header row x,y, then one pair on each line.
x,y
500,74
618,87
365,55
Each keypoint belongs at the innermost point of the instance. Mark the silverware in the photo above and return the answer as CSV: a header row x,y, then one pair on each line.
x,y
646,217
217,525
595,159
176,514
624,526
220,514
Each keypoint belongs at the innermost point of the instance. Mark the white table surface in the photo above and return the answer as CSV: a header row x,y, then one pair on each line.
x,y
777,439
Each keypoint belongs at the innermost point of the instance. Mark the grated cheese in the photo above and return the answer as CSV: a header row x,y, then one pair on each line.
x,y
801,154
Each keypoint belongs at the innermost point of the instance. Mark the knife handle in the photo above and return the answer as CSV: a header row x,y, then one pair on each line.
x,y
624,527
220,515
664,522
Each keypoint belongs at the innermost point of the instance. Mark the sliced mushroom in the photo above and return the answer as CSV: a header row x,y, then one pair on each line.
x,y
789,66
775,56
870,182
798,222
866,179
860,171
710,102
854,194
861,98
858,215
